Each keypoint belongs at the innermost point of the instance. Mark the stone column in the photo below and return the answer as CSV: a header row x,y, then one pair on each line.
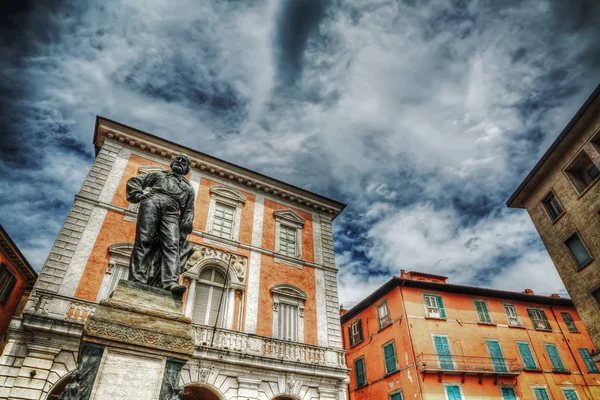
x,y
191,297
248,388
230,305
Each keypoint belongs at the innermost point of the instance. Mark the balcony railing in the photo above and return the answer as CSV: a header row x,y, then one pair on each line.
x,y
77,311
453,364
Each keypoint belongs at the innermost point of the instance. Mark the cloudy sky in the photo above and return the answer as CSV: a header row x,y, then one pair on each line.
x,y
422,116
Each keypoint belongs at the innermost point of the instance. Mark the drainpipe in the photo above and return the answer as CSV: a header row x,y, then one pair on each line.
x,y
412,347
585,385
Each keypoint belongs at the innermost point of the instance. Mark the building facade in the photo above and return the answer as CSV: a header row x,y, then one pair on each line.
x,y
17,278
261,283
418,337
562,198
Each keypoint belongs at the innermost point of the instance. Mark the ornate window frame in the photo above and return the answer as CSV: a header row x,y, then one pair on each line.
x,y
228,197
134,208
120,255
289,219
289,294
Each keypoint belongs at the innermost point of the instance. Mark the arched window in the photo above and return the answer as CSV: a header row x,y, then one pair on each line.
x,y
209,298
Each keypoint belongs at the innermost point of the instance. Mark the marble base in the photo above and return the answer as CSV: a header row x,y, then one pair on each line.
x,y
146,340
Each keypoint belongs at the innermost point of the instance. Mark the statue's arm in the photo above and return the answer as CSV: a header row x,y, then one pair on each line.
x,y
187,214
135,188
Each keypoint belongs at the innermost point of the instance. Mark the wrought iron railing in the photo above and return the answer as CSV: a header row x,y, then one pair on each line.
x,y
468,364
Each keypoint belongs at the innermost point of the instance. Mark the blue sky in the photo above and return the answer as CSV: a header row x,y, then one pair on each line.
x,y
422,116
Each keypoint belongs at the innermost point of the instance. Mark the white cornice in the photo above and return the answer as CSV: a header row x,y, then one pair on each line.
x,y
153,145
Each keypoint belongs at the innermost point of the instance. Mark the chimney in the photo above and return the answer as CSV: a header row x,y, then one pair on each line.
x,y
528,291
555,295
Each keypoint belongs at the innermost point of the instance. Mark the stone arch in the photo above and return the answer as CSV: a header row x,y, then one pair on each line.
x,y
58,387
284,396
197,391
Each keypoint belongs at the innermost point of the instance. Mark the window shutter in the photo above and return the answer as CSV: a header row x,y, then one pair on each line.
x,y
350,337
216,299
360,372
390,358
201,303
541,394
360,331
587,359
440,305
570,394
526,355
509,393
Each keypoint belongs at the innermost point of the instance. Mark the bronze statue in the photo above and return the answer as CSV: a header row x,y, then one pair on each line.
x,y
164,221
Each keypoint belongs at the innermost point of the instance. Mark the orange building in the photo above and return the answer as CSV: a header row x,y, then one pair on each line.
x,y
262,281
17,278
418,337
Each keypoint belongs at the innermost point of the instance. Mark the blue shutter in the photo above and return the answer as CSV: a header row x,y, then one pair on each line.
x,y
587,359
440,304
554,357
442,349
453,392
390,358
508,393
570,394
497,356
526,355
541,394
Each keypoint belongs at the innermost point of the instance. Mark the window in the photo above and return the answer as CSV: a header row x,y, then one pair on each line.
x,y
288,233
569,322
288,312
453,392
396,396
539,319
359,371
389,355
582,172
541,393
578,250
508,393
209,302
483,314
383,315
118,268
442,349
511,315
434,306
224,212
355,332
554,357
570,394
552,206
7,282
587,359
496,355
526,355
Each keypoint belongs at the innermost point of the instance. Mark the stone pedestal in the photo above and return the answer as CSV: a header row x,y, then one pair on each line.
x,y
146,340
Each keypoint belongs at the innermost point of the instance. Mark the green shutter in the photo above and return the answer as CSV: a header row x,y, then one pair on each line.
x,y
440,304
570,394
587,359
554,357
541,394
508,393
497,356
396,396
390,358
359,366
453,392
526,355
482,311
360,332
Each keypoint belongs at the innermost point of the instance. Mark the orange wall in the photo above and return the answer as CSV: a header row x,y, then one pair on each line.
x,y
468,338
7,309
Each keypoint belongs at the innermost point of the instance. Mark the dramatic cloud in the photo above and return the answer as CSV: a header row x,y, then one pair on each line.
x,y
423,116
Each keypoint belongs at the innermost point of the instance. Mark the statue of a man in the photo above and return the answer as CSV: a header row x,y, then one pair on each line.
x,y
164,221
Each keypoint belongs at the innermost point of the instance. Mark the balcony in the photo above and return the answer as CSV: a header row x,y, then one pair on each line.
x,y
468,365
49,310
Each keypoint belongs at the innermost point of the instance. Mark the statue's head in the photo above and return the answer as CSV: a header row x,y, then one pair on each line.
x,y
181,164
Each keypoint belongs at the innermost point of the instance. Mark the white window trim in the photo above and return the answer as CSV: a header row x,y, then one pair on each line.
x,y
134,208
437,306
292,295
462,394
229,197
120,254
289,219
540,387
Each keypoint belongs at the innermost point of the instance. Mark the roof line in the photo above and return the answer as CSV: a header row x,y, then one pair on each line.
x,y
22,258
555,144
99,117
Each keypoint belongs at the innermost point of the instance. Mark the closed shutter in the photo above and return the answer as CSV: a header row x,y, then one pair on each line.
x,y
497,356
570,394
390,358
201,303
541,394
453,392
216,300
442,349
288,322
587,359
526,355
440,305
482,311
396,396
554,357
359,366
508,393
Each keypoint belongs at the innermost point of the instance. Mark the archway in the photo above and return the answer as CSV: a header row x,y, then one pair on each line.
x,y
59,387
196,392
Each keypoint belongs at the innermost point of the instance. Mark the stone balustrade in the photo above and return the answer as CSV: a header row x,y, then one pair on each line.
x,y
54,306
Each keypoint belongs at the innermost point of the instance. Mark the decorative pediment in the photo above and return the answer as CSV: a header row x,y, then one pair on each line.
x,y
289,215
228,193
204,256
121,249
289,291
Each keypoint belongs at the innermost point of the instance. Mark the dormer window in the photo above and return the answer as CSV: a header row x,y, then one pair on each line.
x,y
134,208
224,212
288,233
